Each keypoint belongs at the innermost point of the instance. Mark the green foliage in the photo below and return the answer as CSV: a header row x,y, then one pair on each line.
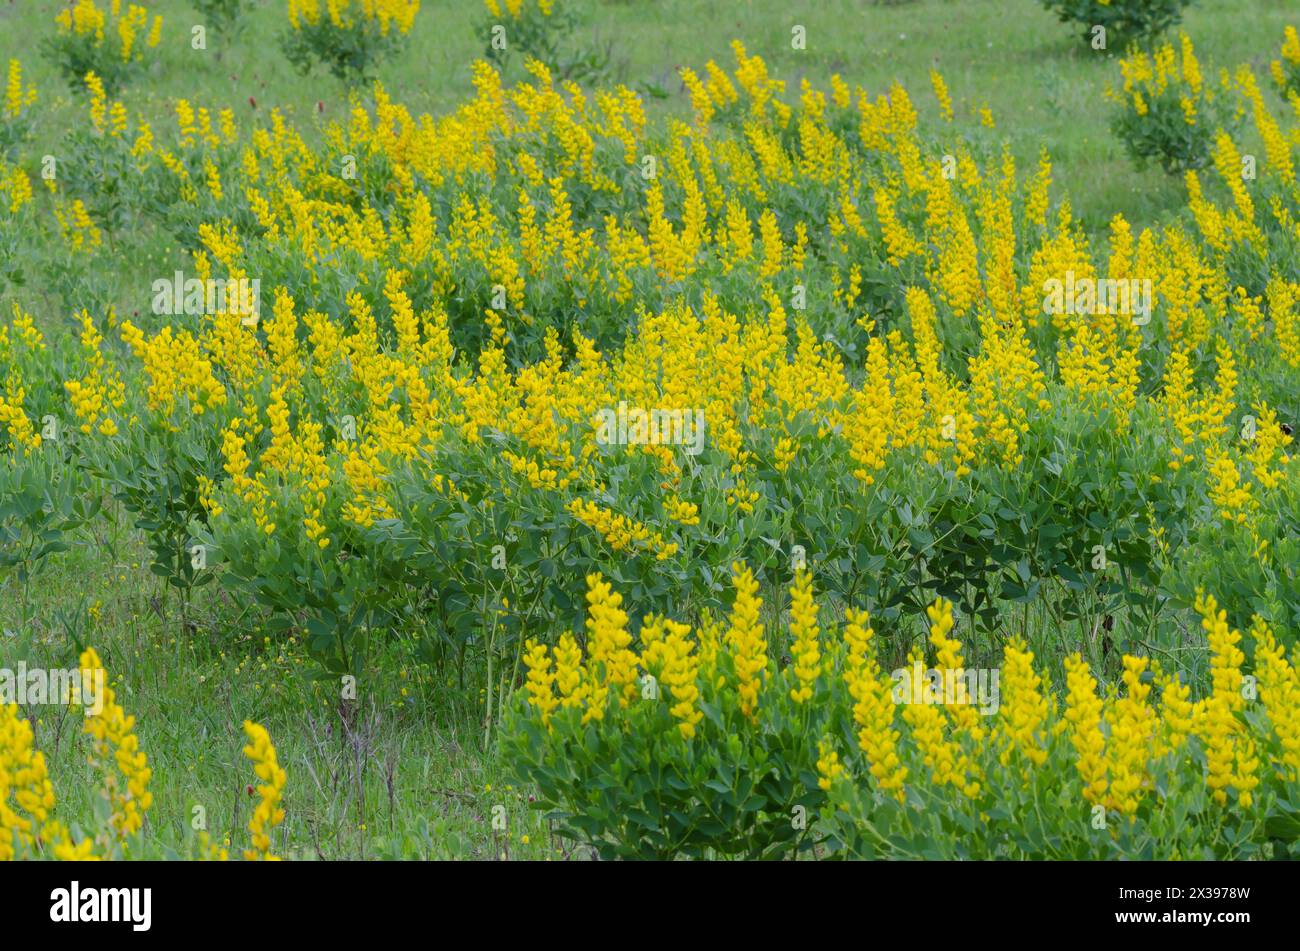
x,y
225,17
1163,136
1124,20
541,32
630,786
351,52
43,500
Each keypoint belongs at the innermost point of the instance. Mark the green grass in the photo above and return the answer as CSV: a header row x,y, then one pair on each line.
x,y
408,768
365,777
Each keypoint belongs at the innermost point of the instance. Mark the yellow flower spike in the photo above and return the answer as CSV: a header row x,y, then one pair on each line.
x,y
1279,689
950,663
1133,732
1175,710
874,707
947,762
114,744
805,646
941,94
1084,714
267,814
1226,658
1023,708
538,684
611,662
858,636
745,639
679,673
829,767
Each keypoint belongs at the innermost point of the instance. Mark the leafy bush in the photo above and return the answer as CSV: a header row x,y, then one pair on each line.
x,y
349,38
111,45
226,16
1125,21
536,29
685,747
1167,112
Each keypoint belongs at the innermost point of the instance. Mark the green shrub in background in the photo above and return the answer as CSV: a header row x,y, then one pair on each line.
x,y
225,17
111,44
350,39
1124,21
1168,113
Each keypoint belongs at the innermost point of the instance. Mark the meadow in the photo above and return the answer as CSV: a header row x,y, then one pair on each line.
x,y
615,432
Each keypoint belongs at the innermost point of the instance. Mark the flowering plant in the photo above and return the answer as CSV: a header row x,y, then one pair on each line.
x,y
1168,113
1286,71
348,37
666,744
16,112
112,44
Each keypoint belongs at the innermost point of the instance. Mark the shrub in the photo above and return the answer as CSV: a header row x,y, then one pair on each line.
x,y
1168,113
349,38
1125,21
536,29
225,16
110,45
688,746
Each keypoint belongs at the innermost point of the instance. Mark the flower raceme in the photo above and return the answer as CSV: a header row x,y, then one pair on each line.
x,y
116,750
18,97
268,813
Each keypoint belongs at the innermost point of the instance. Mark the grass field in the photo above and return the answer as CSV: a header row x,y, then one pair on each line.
x,y
413,768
